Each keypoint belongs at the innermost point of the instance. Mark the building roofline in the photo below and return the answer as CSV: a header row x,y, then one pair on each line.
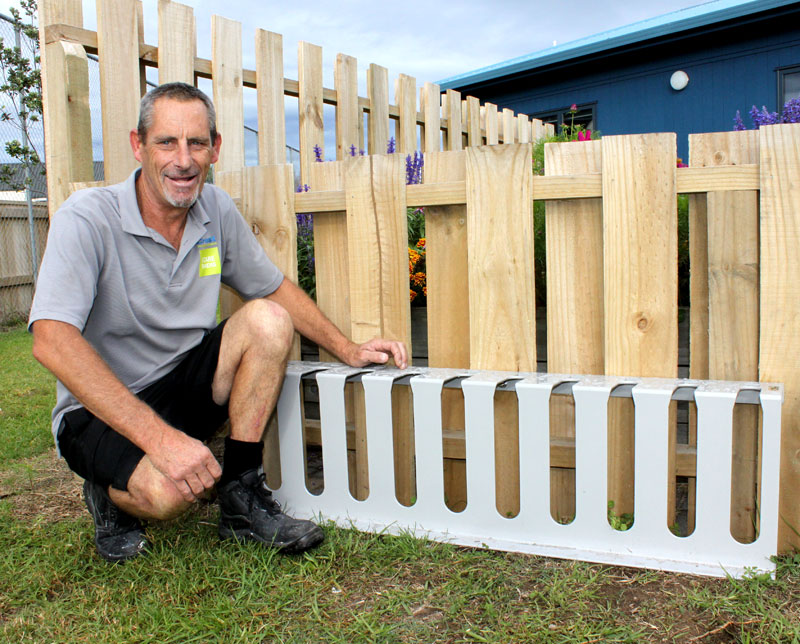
x,y
664,25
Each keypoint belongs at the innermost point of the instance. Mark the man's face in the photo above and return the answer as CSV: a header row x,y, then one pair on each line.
x,y
176,154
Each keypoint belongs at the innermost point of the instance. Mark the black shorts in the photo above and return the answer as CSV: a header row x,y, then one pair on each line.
x,y
98,453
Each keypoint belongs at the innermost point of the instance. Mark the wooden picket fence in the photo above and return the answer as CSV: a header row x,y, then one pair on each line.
x,y
611,235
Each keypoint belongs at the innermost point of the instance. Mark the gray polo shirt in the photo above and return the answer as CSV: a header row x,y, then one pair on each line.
x,y
140,303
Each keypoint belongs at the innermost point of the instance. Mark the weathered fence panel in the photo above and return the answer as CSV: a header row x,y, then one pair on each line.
x,y
16,268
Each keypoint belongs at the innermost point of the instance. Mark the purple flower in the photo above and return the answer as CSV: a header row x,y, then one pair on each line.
x,y
353,151
791,111
770,118
790,114
763,117
303,188
414,168
755,116
318,154
390,146
305,222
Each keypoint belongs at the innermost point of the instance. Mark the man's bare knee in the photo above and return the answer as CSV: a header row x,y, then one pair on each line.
x,y
166,502
268,325
255,346
150,495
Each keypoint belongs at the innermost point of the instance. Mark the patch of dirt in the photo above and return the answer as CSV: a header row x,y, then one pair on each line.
x,y
42,487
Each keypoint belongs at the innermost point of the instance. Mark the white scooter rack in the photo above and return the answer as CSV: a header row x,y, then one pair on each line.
x,y
709,550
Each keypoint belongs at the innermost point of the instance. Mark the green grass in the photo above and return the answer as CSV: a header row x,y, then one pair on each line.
x,y
355,588
27,395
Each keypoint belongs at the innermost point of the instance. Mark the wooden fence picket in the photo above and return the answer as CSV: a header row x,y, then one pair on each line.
x,y
733,274
502,304
271,111
447,271
474,136
118,46
779,150
65,98
378,91
349,121
523,129
331,268
226,45
490,124
268,206
406,98
226,69
509,123
640,231
312,128
574,238
330,250
377,242
176,43
430,103
452,101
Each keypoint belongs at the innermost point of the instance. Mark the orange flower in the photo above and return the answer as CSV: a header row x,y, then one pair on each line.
x,y
412,294
421,243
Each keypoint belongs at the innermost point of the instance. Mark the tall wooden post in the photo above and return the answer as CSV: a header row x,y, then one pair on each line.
x,y
65,99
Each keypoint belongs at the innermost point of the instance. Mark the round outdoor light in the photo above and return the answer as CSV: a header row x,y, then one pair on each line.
x,y
679,80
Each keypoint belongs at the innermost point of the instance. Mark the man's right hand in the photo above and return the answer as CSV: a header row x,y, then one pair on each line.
x,y
187,462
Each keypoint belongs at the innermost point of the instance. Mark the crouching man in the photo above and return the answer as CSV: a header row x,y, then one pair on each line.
x,y
125,316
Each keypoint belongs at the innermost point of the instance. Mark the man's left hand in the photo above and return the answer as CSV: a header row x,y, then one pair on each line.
x,y
377,351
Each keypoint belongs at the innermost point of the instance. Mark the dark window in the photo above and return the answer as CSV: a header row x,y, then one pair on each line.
x,y
586,115
788,84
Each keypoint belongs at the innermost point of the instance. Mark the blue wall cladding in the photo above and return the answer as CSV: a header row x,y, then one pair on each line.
x,y
731,66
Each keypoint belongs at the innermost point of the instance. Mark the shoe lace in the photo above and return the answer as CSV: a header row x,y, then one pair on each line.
x,y
265,496
121,520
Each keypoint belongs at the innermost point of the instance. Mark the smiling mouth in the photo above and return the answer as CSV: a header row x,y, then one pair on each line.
x,y
182,180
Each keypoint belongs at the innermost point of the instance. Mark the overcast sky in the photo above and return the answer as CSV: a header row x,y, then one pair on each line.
x,y
429,40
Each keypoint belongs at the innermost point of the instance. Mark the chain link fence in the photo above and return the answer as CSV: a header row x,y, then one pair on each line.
x,y
23,205
23,194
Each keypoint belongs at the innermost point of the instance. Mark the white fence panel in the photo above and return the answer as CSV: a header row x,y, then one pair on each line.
x,y
649,543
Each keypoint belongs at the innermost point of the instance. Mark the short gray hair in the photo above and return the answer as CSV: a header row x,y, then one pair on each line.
x,y
178,92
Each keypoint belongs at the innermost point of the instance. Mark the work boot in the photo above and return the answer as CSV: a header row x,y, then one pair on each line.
x,y
248,511
118,536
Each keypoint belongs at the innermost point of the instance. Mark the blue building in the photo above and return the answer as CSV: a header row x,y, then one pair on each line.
x,y
687,71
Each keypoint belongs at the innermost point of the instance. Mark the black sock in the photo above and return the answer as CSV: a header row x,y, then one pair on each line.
x,y
239,457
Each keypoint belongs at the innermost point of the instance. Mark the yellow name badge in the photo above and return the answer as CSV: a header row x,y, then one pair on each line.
x,y
209,261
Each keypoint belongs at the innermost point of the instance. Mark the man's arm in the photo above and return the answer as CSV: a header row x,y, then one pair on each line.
x,y
62,349
311,322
